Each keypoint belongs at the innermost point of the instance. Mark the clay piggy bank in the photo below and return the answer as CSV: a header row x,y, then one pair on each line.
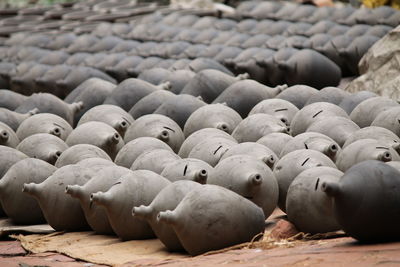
x,y
370,190
251,178
132,189
209,227
158,126
292,164
167,199
22,208
307,206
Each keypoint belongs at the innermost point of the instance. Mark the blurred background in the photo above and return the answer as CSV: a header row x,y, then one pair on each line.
x,y
355,3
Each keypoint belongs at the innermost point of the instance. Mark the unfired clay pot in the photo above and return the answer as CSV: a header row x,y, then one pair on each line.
x,y
365,149
298,95
212,116
350,102
62,212
336,127
48,103
154,160
255,150
14,119
292,164
198,136
258,125
377,133
133,189
388,119
133,149
314,141
44,123
282,109
130,91
307,206
102,181
209,226
250,178
275,141
209,84
211,150
158,126
167,199
313,112
76,153
149,103
20,207
112,115
187,169
366,202
180,107
43,146
7,136
98,134
366,112
243,95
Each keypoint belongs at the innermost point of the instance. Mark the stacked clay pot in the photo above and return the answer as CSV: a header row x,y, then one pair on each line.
x,y
275,43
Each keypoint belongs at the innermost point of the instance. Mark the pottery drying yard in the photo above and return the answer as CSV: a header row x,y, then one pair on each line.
x,y
196,133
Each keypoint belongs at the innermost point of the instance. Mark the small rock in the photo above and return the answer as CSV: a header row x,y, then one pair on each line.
x,y
283,229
